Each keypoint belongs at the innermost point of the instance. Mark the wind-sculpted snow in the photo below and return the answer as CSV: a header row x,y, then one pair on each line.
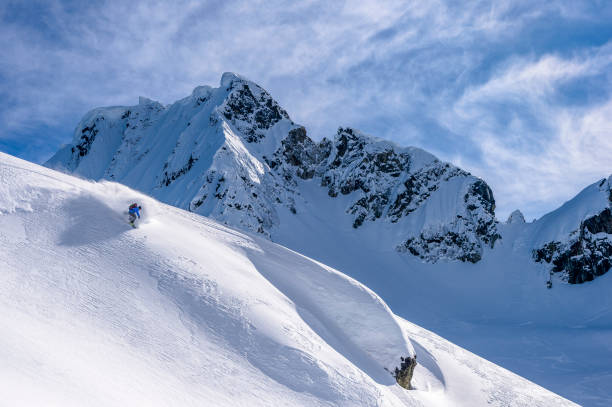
x,y
577,238
232,153
185,311
342,311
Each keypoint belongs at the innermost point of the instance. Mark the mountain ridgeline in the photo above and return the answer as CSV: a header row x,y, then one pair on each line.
x,y
233,154
582,251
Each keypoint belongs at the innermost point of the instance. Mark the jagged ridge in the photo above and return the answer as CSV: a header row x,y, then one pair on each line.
x,y
232,153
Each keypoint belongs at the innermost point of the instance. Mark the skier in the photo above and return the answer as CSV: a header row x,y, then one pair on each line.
x,y
134,212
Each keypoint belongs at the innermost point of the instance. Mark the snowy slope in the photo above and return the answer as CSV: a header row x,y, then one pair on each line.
x,y
499,307
184,311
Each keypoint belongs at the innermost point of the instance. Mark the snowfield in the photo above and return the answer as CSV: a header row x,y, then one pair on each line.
x,y
184,311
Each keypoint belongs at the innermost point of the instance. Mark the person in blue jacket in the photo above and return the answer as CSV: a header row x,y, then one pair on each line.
x,y
134,212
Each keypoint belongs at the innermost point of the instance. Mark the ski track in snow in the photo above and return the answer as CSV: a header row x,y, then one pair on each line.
x,y
184,311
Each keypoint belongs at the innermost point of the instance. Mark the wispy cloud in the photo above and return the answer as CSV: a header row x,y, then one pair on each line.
x,y
516,91
537,146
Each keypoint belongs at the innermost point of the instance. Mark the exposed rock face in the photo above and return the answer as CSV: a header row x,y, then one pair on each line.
x,y
601,223
88,135
232,153
301,154
419,186
383,181
586,255
462,238
403,373
250,109
357,164
587,251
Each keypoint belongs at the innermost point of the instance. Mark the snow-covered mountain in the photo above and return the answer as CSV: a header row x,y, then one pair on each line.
x,y
233,154
577,238
420,232
185,311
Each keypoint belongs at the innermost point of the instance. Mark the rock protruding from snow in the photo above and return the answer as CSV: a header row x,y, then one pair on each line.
x,y
585,251
380,177
516,217
464,237
232,153
403,373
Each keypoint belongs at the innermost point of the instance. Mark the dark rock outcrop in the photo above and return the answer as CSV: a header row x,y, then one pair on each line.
x,y
169,177
601,223
463,238
586,255
299,151
403,373
88,135
252,111
587,251
382,184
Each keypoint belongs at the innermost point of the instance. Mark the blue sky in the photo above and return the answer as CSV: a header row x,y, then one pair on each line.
x,y
517,92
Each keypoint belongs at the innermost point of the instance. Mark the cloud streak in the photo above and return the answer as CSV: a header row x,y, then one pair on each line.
x,y
517,92
536,149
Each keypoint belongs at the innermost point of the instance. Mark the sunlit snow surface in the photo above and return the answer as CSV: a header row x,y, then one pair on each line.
x,y
183,311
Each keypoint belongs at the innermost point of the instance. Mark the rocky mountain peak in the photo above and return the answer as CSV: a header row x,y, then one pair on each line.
x,y
250,108
234,154
380,184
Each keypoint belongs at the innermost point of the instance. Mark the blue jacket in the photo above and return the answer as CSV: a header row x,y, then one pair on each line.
x,y
136,211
